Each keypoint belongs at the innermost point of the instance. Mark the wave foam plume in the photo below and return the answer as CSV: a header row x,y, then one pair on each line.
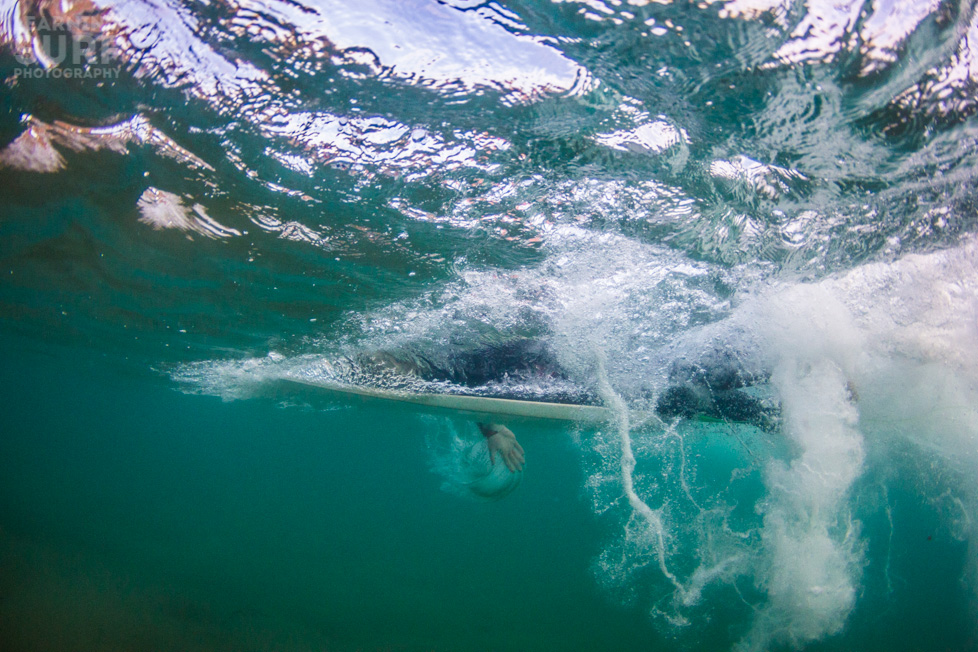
x,y
165,210
34,151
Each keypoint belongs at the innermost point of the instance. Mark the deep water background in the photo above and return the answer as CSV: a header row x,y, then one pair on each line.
x,y
139,517
262,191
135,516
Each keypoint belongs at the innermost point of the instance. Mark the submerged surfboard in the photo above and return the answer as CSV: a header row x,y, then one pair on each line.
x,y
477,405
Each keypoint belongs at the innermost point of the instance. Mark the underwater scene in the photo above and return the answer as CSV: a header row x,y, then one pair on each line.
x,y
468,325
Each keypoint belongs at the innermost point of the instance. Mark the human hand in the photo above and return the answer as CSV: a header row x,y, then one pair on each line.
x,y
501,439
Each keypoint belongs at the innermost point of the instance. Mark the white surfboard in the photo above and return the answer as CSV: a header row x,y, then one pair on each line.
x,y
476,405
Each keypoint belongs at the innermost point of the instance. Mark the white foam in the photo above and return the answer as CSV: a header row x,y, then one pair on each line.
x,y
872,358
811,555
165,210
32,151
883,339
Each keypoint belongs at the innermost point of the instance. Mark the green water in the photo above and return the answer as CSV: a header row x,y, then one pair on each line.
x,y
257,192
138,517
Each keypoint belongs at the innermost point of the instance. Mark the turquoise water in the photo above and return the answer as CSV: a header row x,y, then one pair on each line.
x,y
202,201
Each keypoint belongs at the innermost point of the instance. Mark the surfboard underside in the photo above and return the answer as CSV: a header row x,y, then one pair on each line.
x,y
476,405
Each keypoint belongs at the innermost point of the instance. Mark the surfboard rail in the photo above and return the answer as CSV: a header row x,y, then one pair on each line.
x,y
484,407
477,405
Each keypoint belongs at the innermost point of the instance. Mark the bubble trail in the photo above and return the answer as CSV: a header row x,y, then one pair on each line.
x,y
622,422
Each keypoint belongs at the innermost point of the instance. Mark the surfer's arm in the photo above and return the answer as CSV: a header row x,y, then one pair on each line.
x,y
501,439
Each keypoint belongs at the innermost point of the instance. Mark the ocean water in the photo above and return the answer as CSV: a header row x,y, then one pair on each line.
x,y
204,200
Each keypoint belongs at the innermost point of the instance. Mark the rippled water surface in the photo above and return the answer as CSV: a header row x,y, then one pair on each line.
x,y
203,201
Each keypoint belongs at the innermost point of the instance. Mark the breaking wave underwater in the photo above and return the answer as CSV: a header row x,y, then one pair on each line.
x,y
250,191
